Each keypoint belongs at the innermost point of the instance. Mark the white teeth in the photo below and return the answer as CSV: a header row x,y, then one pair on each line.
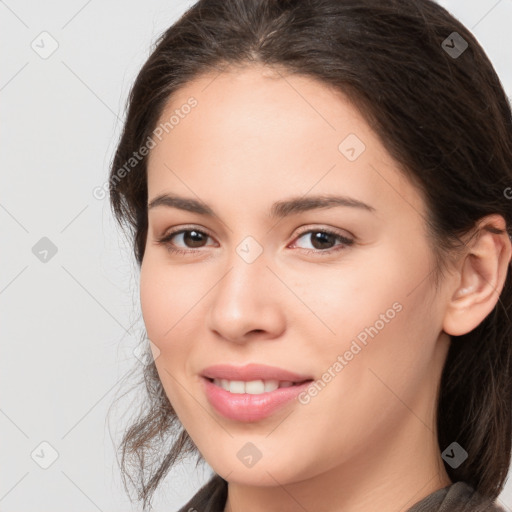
x,y
236,386
253,387
271,385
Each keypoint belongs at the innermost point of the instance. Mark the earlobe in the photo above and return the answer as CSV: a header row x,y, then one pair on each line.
x,y
480,278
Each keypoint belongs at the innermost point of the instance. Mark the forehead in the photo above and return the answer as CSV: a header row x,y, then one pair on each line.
x,y
258,129
257,103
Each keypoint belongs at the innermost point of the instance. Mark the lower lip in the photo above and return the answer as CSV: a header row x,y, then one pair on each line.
x,y
247,407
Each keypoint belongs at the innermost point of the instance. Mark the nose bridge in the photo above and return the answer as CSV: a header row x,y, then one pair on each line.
x,y
249,250
247,269
241,301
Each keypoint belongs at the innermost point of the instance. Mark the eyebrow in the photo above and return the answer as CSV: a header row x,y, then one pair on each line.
x,y
279,209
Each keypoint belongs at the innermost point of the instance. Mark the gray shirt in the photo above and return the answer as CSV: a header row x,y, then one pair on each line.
x,y
457,497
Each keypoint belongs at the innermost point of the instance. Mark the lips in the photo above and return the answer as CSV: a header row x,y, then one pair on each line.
x,y
251,372
245,407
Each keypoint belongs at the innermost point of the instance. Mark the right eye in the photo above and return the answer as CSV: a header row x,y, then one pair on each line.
x,y
194,237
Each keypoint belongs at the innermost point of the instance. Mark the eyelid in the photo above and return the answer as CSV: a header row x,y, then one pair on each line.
x,y
345,240
185,227
302,230
343,233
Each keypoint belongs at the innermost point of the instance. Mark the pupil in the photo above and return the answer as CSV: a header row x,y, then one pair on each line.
x,y
189,237
320,238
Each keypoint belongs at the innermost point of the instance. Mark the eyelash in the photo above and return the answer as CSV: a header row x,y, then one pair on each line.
x,y
345,242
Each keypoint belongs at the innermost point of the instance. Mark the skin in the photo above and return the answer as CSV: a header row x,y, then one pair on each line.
x,y
367,441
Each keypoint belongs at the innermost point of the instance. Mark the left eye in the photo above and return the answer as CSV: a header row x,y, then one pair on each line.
x,y
323,240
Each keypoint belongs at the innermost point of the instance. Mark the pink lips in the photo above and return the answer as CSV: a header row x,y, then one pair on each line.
x,y
247,407
252,372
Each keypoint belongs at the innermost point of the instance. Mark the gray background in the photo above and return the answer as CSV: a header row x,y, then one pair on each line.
x,y
70,324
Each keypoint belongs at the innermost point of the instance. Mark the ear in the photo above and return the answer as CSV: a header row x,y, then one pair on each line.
x,y
480,277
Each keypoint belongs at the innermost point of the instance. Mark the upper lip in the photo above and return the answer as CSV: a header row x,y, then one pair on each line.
x,y
252,372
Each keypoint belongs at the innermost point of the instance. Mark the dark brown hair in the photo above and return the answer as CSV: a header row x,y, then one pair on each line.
x,y
443,117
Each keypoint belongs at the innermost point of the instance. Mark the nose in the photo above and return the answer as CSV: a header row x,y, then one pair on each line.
x,y
244,304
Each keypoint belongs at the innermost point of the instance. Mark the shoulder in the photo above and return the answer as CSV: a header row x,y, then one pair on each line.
x,y
462,493
457,497
211,497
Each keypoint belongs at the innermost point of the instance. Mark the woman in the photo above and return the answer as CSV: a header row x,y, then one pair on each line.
x,y
316,192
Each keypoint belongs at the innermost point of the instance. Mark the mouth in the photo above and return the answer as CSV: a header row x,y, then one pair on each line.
x,y
251,373
254,387
251,401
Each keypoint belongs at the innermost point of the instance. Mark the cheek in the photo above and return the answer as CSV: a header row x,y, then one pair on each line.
x,y
162,293
162,306
360,293
391,319
167,296
153,300
163,309
379,311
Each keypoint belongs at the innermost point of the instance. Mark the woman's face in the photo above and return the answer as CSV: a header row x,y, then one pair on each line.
x,y
260,282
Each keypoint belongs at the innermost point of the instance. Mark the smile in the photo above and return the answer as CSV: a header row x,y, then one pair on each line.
x,y
253,387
